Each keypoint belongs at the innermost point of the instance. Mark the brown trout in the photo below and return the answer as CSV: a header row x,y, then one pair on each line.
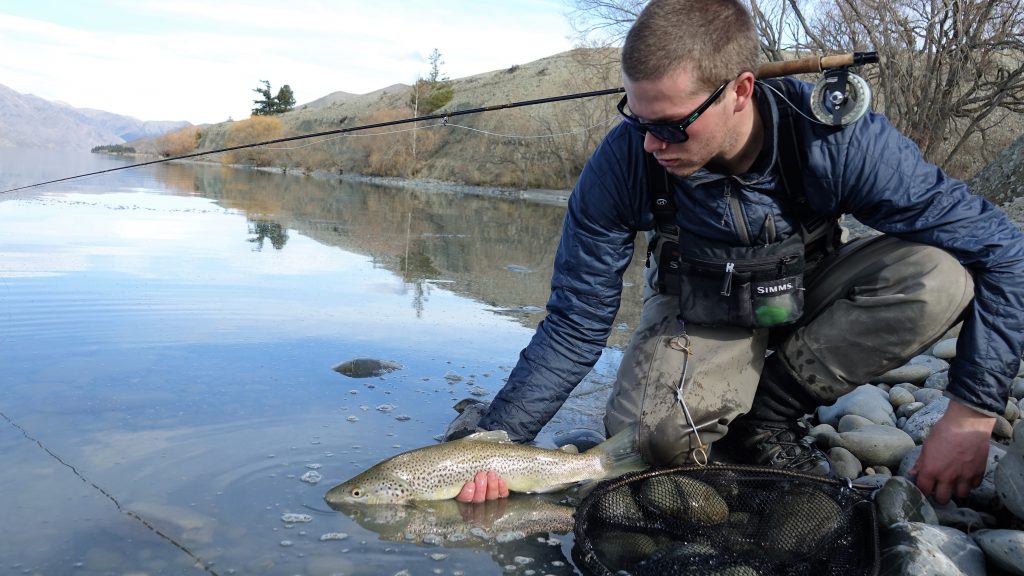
x,y
438,472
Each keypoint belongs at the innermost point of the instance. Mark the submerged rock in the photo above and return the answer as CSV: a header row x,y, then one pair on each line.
x,y
366,367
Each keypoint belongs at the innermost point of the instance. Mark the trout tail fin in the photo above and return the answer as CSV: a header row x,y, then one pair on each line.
x,y
620,453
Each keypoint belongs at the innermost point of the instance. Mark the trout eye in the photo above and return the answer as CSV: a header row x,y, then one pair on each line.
x,y
357,492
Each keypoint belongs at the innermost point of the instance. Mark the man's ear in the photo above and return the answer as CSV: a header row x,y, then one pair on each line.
x,y
743,89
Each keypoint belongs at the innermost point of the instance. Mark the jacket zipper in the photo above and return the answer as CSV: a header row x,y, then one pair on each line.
x,y
734,206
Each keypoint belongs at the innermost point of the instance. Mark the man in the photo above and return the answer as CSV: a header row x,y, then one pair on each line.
x,y
728,144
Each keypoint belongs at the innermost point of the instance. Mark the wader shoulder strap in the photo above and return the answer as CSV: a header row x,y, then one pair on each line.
x,y
666,245
820,233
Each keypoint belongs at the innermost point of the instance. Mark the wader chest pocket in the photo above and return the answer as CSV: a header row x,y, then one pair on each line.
x,y
747,286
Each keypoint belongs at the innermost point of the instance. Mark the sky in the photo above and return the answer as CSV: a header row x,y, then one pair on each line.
x,y
199,60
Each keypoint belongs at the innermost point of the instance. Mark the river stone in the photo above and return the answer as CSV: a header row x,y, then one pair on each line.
x,y
866,400
964,519
1012,412
874,444
1017,388
899,500
852,422
908,387
920,424
928,395
899,396
908,410
922,549
1009,477
913,373
872,481
844,463
938,380
823,435
1003,429
936,364
945,349
1005,548
366,367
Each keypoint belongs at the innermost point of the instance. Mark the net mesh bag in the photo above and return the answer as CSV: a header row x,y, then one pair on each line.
x,y
725,520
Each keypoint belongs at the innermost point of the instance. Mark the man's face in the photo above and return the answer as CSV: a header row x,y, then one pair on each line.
x,y
672,98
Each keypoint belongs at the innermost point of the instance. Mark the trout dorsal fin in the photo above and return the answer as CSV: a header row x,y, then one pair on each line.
x,y
499,436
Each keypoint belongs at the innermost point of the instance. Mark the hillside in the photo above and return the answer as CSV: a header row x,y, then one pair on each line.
x,y
541,146
32,122
1002,180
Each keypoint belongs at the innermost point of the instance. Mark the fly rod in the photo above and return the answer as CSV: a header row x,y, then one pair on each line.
x,y
812,64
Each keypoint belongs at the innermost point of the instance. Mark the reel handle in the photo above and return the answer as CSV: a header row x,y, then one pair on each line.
x,y
814,64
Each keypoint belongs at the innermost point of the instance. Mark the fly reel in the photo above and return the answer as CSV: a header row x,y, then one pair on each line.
x,y
840,97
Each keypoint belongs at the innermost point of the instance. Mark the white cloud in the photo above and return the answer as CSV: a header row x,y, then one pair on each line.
x,y
199,61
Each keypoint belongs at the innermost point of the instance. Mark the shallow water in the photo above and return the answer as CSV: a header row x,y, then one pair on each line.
x,y
167,335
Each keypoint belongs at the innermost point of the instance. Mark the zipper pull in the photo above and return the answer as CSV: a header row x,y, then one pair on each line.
x,y
725,209
727,279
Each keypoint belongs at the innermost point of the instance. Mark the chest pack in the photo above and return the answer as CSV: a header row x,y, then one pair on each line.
x,y
758,285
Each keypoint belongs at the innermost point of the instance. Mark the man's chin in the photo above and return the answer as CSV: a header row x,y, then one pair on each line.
x,y
682,170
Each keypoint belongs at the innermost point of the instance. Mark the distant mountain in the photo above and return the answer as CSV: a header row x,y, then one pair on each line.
x,y
28,121
338,97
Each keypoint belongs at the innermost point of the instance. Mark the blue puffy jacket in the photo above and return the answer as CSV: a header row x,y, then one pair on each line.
x,y
868,170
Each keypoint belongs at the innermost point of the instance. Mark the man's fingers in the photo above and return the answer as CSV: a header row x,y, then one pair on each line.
x,y
467,492
484,486
480,481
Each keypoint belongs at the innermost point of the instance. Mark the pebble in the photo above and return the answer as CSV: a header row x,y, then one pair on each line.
x,y
1009,476
844,463
927,395
1004,548
1003,429
938,380
908,410
874,444
1012,412
878,428
920,424
900,396
899,500
913,373
1017,388
946,349
916,548
866,401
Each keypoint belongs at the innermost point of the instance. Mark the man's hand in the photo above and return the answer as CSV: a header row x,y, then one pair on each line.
x,y
954,454
483,486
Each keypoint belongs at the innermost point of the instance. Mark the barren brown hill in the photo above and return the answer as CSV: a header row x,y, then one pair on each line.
x,y
542,146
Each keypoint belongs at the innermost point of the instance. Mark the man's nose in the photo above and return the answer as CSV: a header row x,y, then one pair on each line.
x,y
652,143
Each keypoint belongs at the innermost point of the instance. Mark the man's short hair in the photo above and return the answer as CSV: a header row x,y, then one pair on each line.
x,y
715,39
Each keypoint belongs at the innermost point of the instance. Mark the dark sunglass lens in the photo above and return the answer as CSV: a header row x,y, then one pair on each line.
x,y
669,134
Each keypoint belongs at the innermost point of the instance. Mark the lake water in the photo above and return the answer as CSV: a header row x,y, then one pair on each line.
x,y
167,338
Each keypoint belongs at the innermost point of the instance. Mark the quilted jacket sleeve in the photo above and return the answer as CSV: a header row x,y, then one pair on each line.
x,y
879,176
595,249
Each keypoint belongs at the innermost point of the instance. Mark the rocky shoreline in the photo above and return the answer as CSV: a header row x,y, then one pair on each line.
x,y
873,436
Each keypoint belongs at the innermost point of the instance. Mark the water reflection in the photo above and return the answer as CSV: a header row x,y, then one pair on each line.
x,y
167,338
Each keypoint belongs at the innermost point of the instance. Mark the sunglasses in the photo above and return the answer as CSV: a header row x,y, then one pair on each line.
x,y
673,131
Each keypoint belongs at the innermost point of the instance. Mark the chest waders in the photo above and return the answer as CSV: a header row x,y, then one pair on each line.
x,y
732,290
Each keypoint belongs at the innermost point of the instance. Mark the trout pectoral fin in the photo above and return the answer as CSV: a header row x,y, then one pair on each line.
x,y
499,436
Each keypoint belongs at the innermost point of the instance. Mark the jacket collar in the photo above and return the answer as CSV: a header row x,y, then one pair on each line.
x,y
763,167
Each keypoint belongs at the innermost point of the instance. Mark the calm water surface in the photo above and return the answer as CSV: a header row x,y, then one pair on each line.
x,y
166,342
